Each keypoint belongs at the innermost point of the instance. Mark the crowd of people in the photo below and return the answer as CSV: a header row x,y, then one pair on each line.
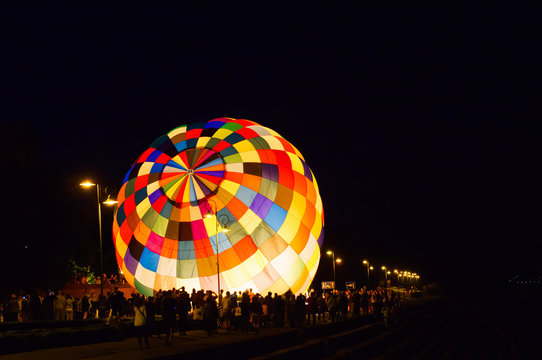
x,y
177,310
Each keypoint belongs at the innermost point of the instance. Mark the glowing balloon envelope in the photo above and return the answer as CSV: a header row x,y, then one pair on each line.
x,y
201,179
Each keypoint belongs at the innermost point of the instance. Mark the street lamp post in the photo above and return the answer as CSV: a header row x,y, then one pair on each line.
x,y
223,229
385,274
367,264
88,184
329,252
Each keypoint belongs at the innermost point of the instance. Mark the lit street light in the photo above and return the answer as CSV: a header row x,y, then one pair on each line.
x,y
332,254
385,273
224,228
109,201
366,263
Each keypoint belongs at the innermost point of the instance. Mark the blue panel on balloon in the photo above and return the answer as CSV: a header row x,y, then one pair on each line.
x,y
157,168
180,146
153,156
275,217
149,260
246,195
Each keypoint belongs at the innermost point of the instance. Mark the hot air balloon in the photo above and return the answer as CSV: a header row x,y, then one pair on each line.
x,y
199,180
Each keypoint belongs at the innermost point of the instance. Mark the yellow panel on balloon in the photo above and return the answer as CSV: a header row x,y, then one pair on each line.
x,y
297,208
178,131
255,263
289,228
250,157
243,146
222,134
237,276
294,273
229,186
273,142
297,165
120,245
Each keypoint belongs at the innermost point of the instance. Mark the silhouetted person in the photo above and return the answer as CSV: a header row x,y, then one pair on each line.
x,y
85,305
183,308
256,312
245,312
35,306
140,321
278,303
210,315
12,313
365,302
152,310
169,316
356,303
300,310
311,308
60,306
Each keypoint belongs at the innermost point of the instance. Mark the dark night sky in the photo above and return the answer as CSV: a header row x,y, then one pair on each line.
x,y
421,124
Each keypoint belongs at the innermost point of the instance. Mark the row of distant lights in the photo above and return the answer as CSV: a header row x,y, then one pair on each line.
x,y
388,272
524,282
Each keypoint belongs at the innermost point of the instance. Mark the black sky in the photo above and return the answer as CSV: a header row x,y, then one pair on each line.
x,y
421,124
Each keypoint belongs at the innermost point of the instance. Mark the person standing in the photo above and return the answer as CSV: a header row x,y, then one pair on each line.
x,y
245,312
69,307
183,308
299,310
85,305
365,302
169,316
331,303
140,321
60,306
12,309
311,308
279,305
115,304
256,311
35,306
210,314
227,310
152,309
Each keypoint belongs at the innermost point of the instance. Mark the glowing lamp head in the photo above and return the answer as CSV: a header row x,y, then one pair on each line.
x,y
87,184
110,201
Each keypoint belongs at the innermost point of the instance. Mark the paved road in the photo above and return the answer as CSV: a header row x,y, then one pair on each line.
x,y
195,341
